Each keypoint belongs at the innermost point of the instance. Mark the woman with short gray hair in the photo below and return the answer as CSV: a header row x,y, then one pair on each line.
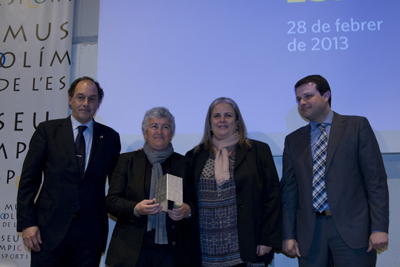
x,y
145,235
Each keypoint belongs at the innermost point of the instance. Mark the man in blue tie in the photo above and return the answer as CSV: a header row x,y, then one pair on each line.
x,y
62,216
334,185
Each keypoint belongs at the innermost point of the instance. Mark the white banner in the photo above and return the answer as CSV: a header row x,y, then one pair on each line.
x,y
35,59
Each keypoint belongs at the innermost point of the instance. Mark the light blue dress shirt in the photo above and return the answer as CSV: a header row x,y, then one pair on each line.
x,y
87,134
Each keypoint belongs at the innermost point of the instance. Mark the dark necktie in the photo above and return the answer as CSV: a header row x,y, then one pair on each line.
x,y
320,199
81,149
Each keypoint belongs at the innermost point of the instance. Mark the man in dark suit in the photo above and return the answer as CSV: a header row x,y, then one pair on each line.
x,y
334,185
62,217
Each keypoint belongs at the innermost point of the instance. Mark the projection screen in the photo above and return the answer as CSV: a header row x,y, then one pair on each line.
x,y
183,54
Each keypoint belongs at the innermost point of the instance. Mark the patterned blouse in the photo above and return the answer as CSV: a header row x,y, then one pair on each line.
x,y
218,220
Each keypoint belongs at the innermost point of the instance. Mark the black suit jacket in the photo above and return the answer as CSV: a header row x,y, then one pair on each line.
x,y
355,180
126,190
63,192
258,197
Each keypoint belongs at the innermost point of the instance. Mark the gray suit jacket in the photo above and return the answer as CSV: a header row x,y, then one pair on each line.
x,y
355,178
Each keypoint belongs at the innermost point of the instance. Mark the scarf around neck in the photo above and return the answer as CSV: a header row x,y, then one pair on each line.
x,y
157,221
222,158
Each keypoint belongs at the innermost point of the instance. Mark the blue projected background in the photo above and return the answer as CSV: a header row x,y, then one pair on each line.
x,y
183,54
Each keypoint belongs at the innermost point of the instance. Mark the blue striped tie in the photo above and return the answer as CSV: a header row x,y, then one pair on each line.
x,y
320,199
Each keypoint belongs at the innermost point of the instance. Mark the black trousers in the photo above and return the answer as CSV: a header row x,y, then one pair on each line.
x,y
155,258
72,251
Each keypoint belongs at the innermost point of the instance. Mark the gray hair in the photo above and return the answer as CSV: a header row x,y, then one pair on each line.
x,y
158,112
